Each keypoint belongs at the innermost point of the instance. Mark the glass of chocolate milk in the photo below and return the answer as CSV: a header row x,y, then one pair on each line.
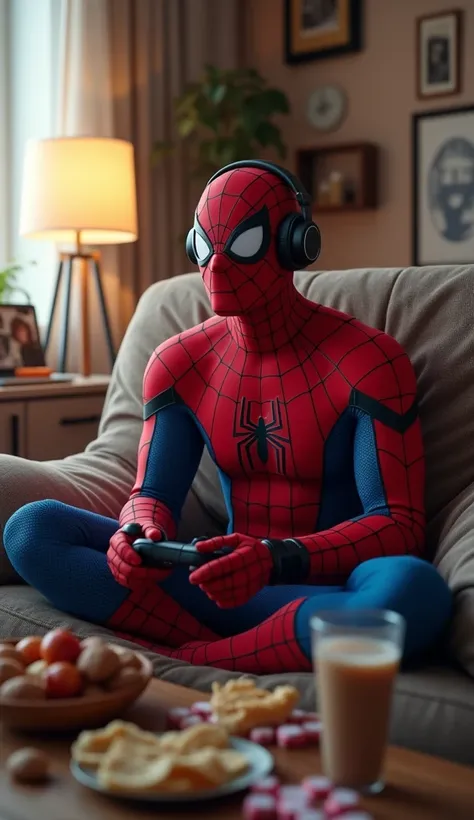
x,y
356,659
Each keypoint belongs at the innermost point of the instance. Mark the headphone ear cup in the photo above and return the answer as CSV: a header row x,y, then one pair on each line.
x,y
298,242
306,243
190,252
284,241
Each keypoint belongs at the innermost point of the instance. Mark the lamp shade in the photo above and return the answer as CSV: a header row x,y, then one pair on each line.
x,y
79,184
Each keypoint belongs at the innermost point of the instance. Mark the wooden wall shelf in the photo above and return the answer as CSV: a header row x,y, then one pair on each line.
x,y
357,162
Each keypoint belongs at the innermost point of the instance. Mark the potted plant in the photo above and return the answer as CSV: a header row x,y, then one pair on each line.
x,y
225,117
9,284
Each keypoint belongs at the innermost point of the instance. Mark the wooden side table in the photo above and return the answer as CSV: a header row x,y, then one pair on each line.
x,y
51,421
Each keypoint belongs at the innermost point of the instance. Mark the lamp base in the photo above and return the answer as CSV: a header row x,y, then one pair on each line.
x,y
89,264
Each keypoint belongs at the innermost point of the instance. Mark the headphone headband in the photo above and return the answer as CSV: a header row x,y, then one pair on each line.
x,y
302,196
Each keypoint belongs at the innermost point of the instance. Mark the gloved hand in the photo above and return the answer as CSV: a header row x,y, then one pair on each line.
x,y
234,579
138,520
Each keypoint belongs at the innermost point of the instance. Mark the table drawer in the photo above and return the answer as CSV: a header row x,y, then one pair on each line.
x,y
12,428
60,427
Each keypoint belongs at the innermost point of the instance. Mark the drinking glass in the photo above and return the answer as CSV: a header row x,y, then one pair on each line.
x,y
356,658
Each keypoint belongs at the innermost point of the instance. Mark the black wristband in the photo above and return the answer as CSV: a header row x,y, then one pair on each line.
x,y
291,562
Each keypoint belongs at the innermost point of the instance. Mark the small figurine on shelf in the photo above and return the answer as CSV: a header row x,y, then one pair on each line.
x,y
311,419
336,181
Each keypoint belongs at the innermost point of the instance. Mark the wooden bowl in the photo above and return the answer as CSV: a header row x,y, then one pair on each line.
x,y
68,714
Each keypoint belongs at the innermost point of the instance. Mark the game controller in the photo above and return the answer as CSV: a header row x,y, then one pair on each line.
x,y
174,553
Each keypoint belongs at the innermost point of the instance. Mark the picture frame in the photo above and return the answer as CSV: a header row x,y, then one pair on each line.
x,y
20,344
443,186
438,50
317,29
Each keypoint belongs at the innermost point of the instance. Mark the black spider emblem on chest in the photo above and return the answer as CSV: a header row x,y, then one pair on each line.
x,y
259,436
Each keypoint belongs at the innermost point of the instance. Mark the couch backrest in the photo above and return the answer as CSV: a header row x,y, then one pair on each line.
x,y
429,310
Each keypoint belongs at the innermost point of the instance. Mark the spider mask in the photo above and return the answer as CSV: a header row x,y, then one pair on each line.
x,y
250,231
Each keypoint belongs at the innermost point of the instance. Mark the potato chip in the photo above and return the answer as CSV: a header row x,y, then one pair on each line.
x,y
196,737
202,769
128,759
239,705
90,746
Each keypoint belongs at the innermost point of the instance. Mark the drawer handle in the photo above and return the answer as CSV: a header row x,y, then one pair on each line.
x,y
75,420
15,431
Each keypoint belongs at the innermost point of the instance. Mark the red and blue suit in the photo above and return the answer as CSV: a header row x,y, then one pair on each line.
x,y
312,421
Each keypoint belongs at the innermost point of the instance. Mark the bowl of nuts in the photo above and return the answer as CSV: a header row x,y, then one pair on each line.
x,y
58,682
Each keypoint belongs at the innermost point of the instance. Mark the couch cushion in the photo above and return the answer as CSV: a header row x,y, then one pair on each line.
x,y
433,709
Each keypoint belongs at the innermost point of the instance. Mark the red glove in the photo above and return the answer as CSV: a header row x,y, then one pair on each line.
x,y
234,579
124,562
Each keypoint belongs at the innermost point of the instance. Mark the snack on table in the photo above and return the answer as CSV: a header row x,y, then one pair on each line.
x,y
98,663
128,759
340,801
170,773
315,798
259,807
9,651
239,705
125,676
264,735
289,736
28,765
91,746
9,668
59,665
23,687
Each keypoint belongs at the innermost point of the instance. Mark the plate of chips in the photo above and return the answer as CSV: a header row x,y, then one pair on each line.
x,y
196,764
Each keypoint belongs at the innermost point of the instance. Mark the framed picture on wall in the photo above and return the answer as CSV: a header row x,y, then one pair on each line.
x,y
316,29
443,186
439,54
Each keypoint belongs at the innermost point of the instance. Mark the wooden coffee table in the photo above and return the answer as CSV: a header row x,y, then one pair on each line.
x,y
419,787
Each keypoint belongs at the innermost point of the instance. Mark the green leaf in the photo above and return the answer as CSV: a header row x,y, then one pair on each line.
x,y
218,94
8,279
186,126
272,101
267,134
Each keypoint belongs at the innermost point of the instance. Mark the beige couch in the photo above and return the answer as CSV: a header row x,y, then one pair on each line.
x,y
431,312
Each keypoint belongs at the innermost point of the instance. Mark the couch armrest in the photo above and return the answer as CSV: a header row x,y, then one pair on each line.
x,y
81,484
454,558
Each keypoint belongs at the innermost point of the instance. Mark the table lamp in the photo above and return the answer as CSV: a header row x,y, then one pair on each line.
x,y
79,191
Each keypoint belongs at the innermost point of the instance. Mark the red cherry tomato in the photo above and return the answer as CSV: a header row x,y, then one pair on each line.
x,y
60,645
29,649
63,680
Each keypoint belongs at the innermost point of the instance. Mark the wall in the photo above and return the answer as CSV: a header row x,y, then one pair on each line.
x,y
380,83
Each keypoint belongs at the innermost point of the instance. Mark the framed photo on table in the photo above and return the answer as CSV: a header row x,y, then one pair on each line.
x,y
443,186
439,54
316,29
20,344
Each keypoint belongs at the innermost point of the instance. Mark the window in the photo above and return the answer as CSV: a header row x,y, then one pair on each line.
x,y
30,78
4,182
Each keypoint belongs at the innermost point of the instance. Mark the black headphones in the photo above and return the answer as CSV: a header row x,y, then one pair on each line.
x,y
298,240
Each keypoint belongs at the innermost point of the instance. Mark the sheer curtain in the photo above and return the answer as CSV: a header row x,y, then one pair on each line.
x,y
84,107
4,176
121,64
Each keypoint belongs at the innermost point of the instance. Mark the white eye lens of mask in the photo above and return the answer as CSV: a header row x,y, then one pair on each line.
x,y
201,247
248,243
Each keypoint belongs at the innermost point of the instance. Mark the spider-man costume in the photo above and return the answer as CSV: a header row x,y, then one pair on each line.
x,y
311,419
